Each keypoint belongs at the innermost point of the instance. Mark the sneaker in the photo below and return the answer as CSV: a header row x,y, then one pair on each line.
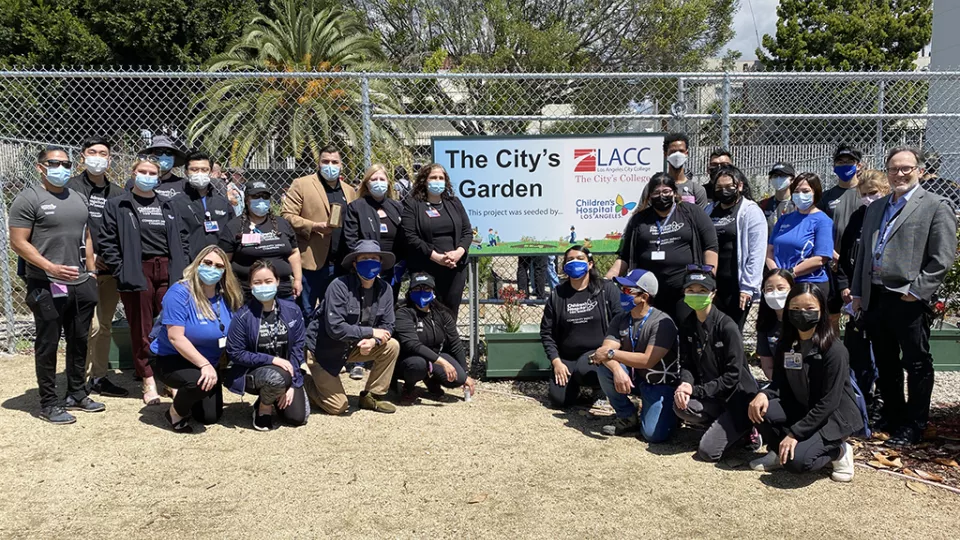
x,y
767,463
370,403
754,440
622,426
905,436
357,372
85,405
57,415
843,466
104,387
261,422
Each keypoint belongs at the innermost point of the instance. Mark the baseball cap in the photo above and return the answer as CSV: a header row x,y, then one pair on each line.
x,y
253,188
700,277
782,168
422,279
846,151
640,279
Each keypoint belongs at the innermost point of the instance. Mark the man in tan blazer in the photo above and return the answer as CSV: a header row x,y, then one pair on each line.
x,y
310,207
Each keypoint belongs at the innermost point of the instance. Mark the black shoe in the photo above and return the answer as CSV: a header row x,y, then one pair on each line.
x,y
434,389
106,388
183,426
57,415
905,436
409,395
261,422
85,405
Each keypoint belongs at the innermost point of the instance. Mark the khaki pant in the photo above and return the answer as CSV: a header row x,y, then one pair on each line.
x,y
98,345
327,391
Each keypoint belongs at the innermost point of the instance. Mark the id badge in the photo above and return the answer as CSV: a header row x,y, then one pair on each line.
x,y
658,256
250,239
58,290
222,342
690,199
792,360
433,213
383,228
211,226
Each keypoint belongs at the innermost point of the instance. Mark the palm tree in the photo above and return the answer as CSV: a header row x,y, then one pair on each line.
x,y
294,116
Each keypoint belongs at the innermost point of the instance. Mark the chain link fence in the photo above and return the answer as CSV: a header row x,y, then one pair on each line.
x,y
272,126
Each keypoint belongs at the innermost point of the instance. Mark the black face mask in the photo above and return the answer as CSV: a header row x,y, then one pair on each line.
x,y
726,195
662,203
803,320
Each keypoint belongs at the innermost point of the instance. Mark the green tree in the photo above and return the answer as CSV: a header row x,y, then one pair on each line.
x,y
299,115
848,35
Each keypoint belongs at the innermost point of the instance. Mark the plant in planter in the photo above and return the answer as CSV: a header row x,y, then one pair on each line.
x,y
514,353
512,306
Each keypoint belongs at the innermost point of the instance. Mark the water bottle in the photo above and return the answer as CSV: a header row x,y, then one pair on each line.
x,y
466,394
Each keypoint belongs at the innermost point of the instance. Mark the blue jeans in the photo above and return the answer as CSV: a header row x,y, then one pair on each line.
x,y
657,420
552,276
315,283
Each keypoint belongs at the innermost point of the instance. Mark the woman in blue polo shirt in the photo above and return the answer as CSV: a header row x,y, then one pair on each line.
x,y
197,311
802,241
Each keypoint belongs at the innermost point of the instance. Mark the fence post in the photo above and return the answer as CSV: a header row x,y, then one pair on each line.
x,y
682,101
5,275
474,303
725,112
366,109
881,99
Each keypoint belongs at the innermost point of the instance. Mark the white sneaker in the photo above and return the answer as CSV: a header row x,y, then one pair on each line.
x,y
357,372
767,463
843,466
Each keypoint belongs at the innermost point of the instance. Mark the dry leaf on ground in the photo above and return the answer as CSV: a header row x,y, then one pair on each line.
x,y
881,436
894,463
929,476
478,498
916,487
910,473
947,461
877,465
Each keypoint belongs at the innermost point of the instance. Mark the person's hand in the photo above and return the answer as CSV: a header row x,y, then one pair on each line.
x,y
621,381
101,266
448,260
208,378
64,273
600,355
681,396
745,299
381,334
758,408
322,228
455,255
438,258
297,287
447,368
855,305
471,385
787,446
908,298
283,364
366,346
845,294
560,372
286,399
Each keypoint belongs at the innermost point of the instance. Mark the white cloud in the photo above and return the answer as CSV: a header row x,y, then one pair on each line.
x,y
765,13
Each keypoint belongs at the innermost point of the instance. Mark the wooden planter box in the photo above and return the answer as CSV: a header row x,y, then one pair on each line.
x,y
516,355
121,352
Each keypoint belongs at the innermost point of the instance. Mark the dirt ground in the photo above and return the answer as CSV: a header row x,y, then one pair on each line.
x,y
498,467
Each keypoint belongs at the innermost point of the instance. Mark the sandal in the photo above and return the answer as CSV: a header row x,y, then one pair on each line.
x,y
150,395
183,426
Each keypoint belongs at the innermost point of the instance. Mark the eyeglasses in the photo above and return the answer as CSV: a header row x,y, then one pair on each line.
x,y
150,158
632,291
208,262
902,170
663,193
58,163
705,268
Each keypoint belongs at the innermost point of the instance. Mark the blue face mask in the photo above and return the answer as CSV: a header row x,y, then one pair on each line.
x,y
379,188
260,207
369,268
146,182
58,176
330,172
845,172
209,275
166,162
627,301
802,200
437,187
264,293
422,298
576,269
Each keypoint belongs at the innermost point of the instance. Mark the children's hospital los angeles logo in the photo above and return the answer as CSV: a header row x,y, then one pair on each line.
x,y
604,208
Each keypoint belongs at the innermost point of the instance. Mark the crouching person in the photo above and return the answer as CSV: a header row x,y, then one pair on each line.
x,y
355,324
265,348
639,356
809,410
716,384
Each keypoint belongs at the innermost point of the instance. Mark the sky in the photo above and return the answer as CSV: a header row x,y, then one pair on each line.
x,y
745,41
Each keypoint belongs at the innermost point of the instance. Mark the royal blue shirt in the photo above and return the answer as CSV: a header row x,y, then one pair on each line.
x,y
797,237
180,310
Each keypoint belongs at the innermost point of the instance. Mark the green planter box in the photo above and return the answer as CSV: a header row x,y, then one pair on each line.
x,y
121,352
945,348
516,355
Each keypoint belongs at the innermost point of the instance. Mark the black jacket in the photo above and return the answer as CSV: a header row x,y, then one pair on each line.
x,y
830,407
419,234
849,248
81,184
192,213
428,333
362,222
552,326
121,247
712,358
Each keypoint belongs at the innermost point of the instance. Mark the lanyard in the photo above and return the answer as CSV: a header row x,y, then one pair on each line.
x,y
660,225
885,233
204,201
634,339
217,311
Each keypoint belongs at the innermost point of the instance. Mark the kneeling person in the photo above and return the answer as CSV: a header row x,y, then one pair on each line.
x,y
639,357
265,348
716,383
354,324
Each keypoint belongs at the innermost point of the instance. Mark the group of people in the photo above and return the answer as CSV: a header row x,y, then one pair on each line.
x,y
241,290
666,322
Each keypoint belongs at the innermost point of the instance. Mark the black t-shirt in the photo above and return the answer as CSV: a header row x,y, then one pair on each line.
x,y
273,335
365,310
443,229
335,196
153,228
388,231
276,243
725,221
580,325
767,340
830,199
648,236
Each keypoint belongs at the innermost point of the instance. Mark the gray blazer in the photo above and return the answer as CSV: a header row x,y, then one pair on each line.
x,y
920,249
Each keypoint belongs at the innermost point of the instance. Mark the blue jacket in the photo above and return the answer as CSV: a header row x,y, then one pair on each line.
x,y
335,327
242,343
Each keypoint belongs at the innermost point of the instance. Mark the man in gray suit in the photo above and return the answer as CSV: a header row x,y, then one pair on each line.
x,y
908,243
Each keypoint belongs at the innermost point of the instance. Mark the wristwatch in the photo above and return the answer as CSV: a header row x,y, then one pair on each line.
x,y
610,353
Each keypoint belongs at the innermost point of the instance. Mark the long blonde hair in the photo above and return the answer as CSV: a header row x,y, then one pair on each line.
x,y
364,188
229,286
876,179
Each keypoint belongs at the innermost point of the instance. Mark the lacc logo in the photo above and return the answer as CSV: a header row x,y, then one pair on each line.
x,y
591,159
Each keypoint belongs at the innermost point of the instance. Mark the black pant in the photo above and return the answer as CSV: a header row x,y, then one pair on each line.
x,y
811,454
270,383
894,327
727,300
450,285
857,342
177,372
70,314
538,267
726,422
412,369
582,373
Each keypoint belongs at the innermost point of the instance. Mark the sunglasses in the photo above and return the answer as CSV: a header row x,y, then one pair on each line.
x,y
58,163
164,153
258,196
208,262
705,268
632,291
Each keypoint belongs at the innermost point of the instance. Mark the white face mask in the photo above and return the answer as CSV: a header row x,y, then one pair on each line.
x,y
96,164
199,180
677,160
868,199
780,183
776,299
